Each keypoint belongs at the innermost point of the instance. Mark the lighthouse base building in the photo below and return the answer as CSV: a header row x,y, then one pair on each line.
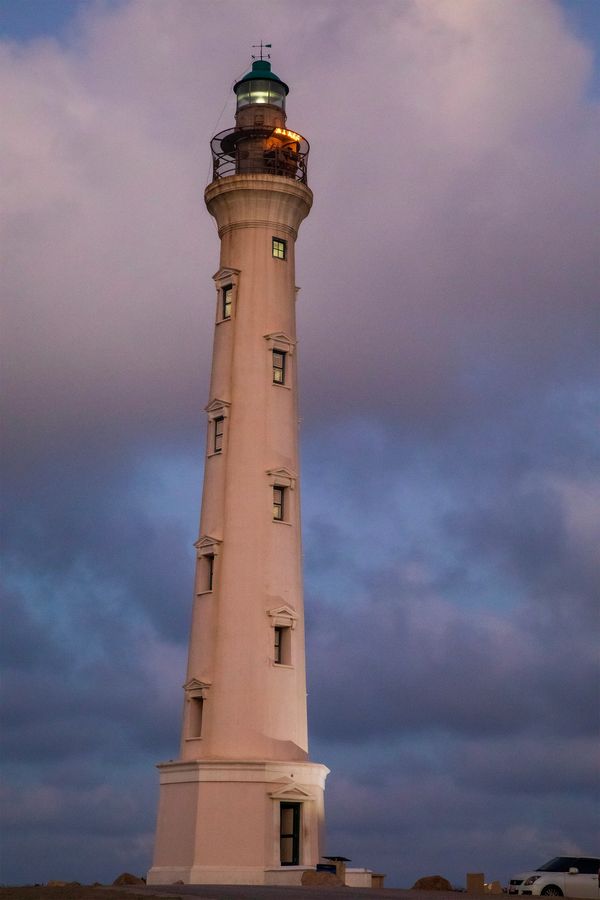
x,y
235,822
243,803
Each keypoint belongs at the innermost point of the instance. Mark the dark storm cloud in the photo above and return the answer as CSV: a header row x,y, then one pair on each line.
x,y
408,661
109,813
530,767
96,521
85,706
97,613
24,642
456,658
427,825
521,537
450,484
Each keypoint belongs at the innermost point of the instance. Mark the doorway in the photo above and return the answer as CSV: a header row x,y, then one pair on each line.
x,y
289,834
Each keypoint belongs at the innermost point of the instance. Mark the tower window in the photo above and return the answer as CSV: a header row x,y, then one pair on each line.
x,y
282,646
219,426
279,248
226,301
196,714
278,503
206,572
278,642
279,366
289,834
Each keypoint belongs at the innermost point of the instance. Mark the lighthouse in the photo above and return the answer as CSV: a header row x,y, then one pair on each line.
x,y
243,803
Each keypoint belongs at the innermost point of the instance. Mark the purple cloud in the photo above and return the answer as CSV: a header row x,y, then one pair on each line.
x,y
447,353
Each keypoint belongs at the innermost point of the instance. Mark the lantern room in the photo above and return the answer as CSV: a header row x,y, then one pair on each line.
x,y
260,143
260,87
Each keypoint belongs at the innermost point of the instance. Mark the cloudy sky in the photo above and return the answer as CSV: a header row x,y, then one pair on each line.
x,y
448,352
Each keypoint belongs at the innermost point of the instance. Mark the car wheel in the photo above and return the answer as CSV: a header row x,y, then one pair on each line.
x,y
551,891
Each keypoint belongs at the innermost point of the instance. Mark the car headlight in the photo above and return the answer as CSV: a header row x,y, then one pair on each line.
x,y
531,879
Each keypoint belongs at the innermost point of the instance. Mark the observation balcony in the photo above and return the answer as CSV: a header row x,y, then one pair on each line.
x,y
260,150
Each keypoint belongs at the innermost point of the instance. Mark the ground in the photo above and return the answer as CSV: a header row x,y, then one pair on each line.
x,y
222,892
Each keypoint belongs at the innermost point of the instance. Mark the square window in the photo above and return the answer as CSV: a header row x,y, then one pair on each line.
x,y
279,248
278,503
226,301
219,425
279,367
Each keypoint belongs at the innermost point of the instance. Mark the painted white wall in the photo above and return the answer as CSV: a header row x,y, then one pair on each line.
x,y
218,817
253,708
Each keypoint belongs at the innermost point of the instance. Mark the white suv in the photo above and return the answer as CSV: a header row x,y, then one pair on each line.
x,y
563,876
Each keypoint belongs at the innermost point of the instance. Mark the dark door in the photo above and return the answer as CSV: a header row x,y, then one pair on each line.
x,y
289,834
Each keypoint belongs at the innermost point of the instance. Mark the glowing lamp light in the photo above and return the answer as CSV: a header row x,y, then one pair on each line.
x,y
290,134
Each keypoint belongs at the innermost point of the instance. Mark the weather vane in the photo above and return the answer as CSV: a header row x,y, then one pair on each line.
x,y
262,47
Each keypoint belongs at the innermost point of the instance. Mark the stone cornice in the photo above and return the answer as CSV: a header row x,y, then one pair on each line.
x,y
216,407
292,792
207,545
196,688
225,274
279,340
282,477
283,615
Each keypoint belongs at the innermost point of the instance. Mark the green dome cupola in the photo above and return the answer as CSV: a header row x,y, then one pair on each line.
x,y
260,86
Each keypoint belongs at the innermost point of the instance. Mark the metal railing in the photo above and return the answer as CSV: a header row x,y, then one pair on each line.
x,y
252,150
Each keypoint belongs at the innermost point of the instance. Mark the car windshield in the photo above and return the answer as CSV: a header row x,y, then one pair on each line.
x,y
560,864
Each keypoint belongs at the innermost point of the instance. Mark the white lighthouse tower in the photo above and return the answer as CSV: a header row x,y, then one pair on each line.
x,y
243,803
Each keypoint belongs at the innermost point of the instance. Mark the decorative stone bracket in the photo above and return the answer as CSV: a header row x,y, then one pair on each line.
x,y
279,340
283,617
226,276
291,792
217,409
196,690
282,478
207,546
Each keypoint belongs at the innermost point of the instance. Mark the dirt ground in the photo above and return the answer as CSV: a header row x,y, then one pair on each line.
x,y
222,892
82,892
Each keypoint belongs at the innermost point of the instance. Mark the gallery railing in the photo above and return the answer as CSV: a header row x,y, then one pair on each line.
x,y
269,151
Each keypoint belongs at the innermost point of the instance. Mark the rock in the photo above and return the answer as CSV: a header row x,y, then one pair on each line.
x,y
322,879
127,878
432,883
69,884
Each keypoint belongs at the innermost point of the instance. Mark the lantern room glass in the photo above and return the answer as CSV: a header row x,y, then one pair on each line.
x,y
260,91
